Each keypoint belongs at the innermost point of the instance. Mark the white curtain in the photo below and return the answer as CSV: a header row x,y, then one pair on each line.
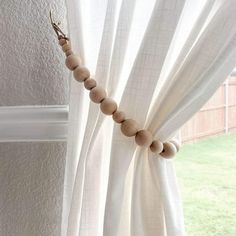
x,y
161,60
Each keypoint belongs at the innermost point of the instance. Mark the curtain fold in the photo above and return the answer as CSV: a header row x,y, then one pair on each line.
x,y
141,83
161,63
76,121
201,73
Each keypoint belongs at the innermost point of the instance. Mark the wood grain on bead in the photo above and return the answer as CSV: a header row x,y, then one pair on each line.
x,y
129,127
90,84
97,94
169,150
81,74
108,106
72,61
118,116
66,47
156,146
143,138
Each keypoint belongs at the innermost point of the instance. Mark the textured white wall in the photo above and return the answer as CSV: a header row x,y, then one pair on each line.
x,y
32,72
31,186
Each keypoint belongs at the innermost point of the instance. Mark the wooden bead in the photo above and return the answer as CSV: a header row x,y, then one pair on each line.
x,y
66,47
108,106
129,127
169,150
62,41
156,146
81,74
68,52
72,62
143,138
176,143
90,84
118,116
97,94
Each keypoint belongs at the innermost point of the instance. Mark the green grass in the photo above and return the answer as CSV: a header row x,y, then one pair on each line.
x,y
206,174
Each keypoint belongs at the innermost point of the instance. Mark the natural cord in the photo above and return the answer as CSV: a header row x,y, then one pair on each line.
x,y
108,106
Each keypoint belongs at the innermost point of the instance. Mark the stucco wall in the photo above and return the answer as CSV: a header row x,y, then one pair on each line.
x,y
32,65
31,187
32,72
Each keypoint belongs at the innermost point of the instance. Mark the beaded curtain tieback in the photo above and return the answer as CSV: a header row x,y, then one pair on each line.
x,y
108,106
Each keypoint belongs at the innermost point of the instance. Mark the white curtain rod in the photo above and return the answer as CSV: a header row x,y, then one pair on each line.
x,y
33,123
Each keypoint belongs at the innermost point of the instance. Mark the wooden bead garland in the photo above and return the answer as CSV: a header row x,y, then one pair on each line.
x,y
97,94
143,138
108,106
62,41
66,47
72,62
118,116
129,127
156,146
68,52
81,73
169,150
90,84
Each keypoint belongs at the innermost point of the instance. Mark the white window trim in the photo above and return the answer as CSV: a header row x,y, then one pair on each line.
x,y
33,123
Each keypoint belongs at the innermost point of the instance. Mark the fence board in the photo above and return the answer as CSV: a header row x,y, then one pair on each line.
x,y
217,116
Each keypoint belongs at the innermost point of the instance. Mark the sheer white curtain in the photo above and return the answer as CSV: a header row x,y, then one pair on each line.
x,y
161,60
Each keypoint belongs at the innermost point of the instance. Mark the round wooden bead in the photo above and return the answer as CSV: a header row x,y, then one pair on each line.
x,y
108,106
62,41
66,47
68,52
129,127
118,116
81,73
156,146
176,143
72,62
169,150
90,84
143,138
97,94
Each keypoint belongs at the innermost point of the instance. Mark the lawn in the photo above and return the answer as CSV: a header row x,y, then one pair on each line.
x,y
206,174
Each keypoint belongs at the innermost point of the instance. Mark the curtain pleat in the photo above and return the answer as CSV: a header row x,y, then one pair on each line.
x,y
141,83
148,63
147,210
112,187
76,121
81,194
199,75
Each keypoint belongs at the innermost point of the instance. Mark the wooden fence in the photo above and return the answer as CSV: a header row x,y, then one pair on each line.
x,y
218,115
